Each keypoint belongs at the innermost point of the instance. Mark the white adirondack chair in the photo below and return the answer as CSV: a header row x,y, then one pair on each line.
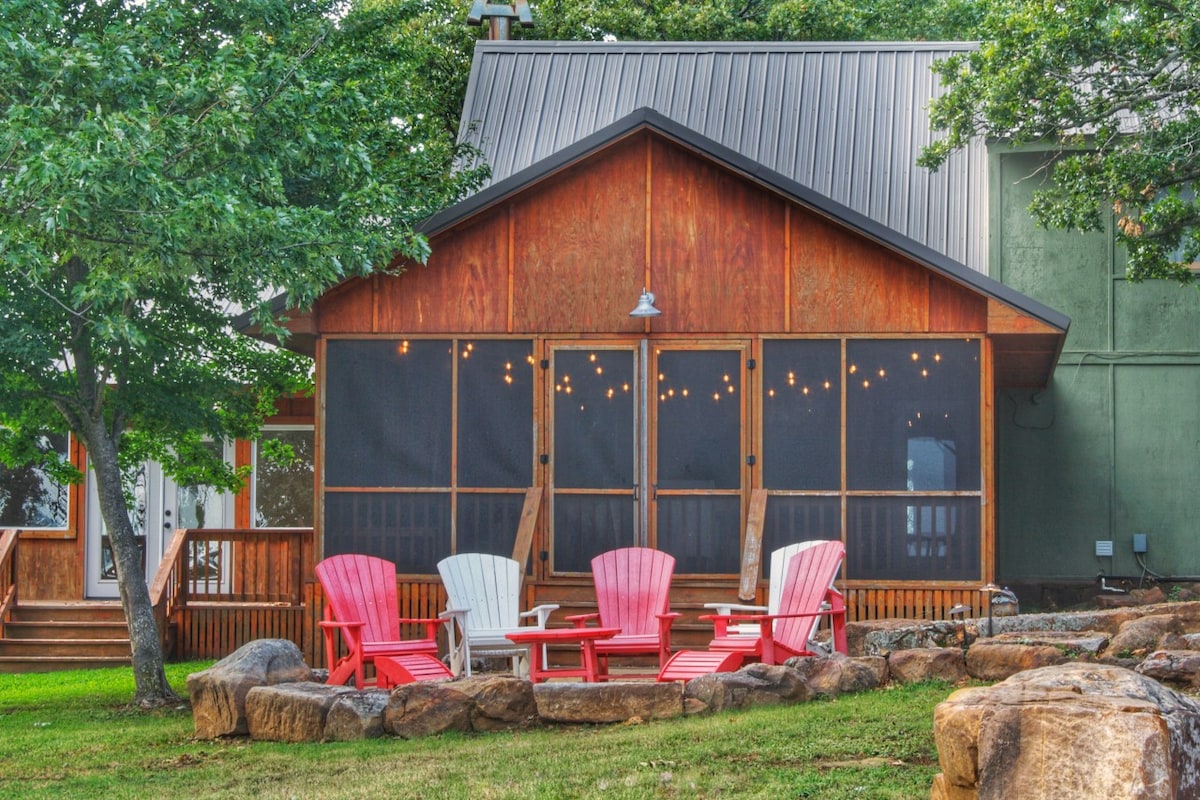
x,y
484,601
779,563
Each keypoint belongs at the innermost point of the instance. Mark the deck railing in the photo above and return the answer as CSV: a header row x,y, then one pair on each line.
x,y
8,576
218,588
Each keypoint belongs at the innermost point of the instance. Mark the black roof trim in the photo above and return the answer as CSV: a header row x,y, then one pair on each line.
x,y
841,214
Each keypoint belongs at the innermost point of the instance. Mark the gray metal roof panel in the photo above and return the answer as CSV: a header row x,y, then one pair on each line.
x,y
847,120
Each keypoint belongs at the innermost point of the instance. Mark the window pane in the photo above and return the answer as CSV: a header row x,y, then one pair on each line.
x,y
283,492
703,533
593,419
495,414
388,413
802,412
913,538
487,523
412,530
912,415
699,420
30,498
587,525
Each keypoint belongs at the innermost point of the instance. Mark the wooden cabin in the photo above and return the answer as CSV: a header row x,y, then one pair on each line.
x,y
825,364
803,354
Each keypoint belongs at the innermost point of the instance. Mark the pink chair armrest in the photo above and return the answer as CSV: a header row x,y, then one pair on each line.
x,y
581,620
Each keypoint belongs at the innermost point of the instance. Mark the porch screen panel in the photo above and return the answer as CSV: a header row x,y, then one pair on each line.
x,y
912,415
388,418
495,414
411,529
698,469
802,413
686,525
487,522
798,518
913,538
587,525
593,419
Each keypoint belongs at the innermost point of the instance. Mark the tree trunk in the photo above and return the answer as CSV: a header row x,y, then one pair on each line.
x,y
151,687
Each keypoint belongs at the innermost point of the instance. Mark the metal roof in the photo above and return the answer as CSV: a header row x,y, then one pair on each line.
x,y
846,120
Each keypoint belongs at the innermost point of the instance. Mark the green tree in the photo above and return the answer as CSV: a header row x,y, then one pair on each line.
x,y
1112,87
163,165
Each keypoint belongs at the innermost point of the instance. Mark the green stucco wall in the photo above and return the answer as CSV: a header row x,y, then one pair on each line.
x,y
1112,447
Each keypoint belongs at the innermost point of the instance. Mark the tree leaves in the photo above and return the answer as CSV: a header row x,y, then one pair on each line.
x,y
1112,88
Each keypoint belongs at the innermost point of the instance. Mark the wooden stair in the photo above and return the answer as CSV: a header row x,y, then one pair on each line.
x,y
47,636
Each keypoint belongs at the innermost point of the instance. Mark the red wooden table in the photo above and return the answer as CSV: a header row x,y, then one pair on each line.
x,y
586,637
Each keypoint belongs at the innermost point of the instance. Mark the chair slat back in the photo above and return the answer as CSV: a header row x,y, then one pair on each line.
x,y
633,586
488,585
361,588
810,573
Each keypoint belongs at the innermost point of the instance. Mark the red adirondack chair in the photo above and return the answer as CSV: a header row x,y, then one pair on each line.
x,y
633,586
807,596
361,603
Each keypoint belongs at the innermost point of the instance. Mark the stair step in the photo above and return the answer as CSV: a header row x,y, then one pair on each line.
x,y
66,629
65,648
77,611
15,665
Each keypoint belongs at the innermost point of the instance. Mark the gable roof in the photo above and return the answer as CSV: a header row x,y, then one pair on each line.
x,y
793,190
846,120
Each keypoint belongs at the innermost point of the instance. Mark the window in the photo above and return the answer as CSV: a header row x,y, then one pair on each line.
x,y
282,493
30,498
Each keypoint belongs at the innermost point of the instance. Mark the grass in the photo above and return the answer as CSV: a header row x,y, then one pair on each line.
x,y
70,735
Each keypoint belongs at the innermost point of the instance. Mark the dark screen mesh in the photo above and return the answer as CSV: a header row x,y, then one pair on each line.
x,y
912,415
699,420
412,530
802,412
593,419
495,414
487,523
389,414
587,525
913,538
703,533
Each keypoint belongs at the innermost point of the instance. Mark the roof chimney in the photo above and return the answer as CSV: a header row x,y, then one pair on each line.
x,y
499,15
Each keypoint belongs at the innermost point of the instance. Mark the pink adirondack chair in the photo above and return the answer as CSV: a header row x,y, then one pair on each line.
x,y
633,586
361,603
807,596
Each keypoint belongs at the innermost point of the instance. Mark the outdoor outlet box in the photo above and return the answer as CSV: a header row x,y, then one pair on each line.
x,y
1139,543
1104,547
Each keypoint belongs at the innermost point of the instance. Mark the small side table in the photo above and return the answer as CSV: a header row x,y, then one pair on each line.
x,y
585,637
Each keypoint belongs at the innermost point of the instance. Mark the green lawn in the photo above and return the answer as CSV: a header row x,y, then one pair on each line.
x,y
69,735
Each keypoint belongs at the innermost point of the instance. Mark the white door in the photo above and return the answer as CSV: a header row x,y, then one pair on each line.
x,y
159,507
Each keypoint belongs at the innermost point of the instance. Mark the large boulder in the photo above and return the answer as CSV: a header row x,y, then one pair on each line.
x,y
427,708
1178,667
753,685
218,694
926,664
1137,637
499,702
291,712
1069,731
357,715
621,701
1006,655
834,674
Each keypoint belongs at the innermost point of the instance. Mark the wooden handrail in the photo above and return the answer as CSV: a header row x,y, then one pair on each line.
x,y
8,575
